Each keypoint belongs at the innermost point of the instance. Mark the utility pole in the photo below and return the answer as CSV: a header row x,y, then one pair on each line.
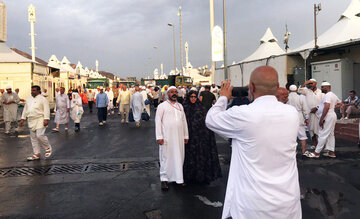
x,y
225,49
173,26
181,43
212,23
32,20
317,9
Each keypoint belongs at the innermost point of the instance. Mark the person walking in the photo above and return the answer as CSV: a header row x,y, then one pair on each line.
x,y
156,95
207,98
327,122
76,109
37,113
300,105
124,100
9,101
146,99
171,135
62,108
201,164
110,96
137,105
102,102
91,97
263,178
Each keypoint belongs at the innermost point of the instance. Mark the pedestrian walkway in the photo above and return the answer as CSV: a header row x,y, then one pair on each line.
x,y
112,172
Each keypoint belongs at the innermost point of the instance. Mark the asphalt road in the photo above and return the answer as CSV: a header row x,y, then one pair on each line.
x,y
113,172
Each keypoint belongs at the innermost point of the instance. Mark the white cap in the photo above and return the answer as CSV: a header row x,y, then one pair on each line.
x,y
293,88
8,87
171,88
312,79
101,87
325,83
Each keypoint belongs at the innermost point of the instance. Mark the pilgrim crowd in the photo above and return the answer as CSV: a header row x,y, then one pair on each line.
x,y
262,121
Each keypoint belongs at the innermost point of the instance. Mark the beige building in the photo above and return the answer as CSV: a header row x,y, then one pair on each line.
x,y
18,71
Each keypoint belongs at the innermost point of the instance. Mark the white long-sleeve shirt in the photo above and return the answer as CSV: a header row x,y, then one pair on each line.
x,y
36,110
263,179
300,105
313,98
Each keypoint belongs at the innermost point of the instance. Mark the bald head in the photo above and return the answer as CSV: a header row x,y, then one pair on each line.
x,y
264,81
282,95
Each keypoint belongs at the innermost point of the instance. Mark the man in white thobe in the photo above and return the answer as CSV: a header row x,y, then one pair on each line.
x,y
37,113
263,179
327,122
171,135
9,101
62,109
110,95
300,105
137,105
313,97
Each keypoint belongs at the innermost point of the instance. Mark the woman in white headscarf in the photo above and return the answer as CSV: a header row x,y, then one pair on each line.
x,y
76,110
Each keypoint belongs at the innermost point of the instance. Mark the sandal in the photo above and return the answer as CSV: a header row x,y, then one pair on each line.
x,y
312,155
327,154
33,157
306,153
164,186
48,152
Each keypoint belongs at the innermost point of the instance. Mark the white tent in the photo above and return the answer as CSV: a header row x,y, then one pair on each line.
x,y
268,47
9,56
54,62
344,31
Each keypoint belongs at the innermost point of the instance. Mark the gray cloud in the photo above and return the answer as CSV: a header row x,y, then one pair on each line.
x,y
121,33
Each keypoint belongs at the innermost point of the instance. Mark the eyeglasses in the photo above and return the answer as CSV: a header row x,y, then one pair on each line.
x,y
192,96
172,92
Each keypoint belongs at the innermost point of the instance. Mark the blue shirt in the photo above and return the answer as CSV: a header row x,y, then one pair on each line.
x,y
354,100
101,100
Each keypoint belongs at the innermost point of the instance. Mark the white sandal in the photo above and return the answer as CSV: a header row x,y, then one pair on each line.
x,y
33,157
48,152
312,155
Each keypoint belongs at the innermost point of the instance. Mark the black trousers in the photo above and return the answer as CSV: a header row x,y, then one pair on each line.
x,y
102,113
91,105
156,103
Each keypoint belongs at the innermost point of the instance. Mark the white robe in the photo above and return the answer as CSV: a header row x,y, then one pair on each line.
x,y
298,101
76,108
326,134
36,110
62,104
10,110
263,179
313,99
110,96
171,125
137,105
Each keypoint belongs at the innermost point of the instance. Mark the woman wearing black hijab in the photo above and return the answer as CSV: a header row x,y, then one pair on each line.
x,y
201,164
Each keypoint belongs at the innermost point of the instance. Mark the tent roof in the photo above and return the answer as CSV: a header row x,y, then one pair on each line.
x,y
345,30
8,55
268,47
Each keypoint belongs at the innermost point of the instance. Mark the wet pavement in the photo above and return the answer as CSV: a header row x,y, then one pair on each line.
x,y
113,172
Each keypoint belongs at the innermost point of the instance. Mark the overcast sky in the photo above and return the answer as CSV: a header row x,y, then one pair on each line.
x,y
121,34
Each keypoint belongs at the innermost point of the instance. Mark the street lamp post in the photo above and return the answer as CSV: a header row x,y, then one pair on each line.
x,y
225,49
317,9
173,26
181,43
